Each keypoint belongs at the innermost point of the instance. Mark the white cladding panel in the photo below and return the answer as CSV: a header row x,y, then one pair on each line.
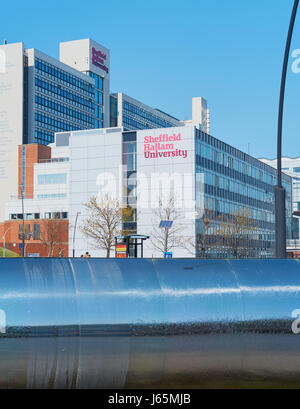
x,y
95,167
11,119
51,190
166,168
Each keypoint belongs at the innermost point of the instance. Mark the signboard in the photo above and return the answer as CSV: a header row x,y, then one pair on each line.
x,y
99,59
164,146
168,254
33,255
121,251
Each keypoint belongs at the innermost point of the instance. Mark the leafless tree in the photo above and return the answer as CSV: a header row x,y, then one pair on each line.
x,y
166,239
235,229
53,234
202,242
104,222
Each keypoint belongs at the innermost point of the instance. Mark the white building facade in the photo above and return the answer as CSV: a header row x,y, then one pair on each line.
x,y
11,118
50,189
205,176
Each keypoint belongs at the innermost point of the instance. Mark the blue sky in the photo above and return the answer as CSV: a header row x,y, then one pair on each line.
x,y
164,52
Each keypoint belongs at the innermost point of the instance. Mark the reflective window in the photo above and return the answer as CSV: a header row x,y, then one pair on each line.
x,y
58,178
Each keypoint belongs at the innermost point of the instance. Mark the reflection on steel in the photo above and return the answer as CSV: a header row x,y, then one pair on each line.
x,y
110,323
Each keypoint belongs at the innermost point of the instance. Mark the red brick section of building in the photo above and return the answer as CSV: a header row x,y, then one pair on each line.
x,y
38,247
45,227
33,154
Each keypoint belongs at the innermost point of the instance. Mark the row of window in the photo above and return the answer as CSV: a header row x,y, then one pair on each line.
x,y
221,206
265,198
224,147
295,170
56,215
65,94
99,97
52,196
42,137
153,120
48,122
27,216
236,187
113,112
63,109
99,112
52,179
132,124
36,216
55,160
98,80
129,156
204,164
238,198
98,124
35,234
61,75
224,159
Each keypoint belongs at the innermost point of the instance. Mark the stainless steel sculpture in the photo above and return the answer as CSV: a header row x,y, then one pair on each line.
x,y
100,323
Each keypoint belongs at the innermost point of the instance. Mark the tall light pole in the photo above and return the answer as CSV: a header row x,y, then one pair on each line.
x,y
4,240
23,216
74,233
280,215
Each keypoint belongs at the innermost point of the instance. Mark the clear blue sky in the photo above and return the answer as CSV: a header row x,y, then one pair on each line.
x,y
164,52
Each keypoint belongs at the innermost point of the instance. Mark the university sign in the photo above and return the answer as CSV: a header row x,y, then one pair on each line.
x,y
98,59
164,146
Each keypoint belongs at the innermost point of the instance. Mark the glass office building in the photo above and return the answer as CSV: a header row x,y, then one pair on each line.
x,y
210,179
63,100
93,60
131,114
98,99
233,181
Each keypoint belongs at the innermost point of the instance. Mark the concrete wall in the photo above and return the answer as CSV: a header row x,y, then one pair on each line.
x,y
11,119
95,166
162,178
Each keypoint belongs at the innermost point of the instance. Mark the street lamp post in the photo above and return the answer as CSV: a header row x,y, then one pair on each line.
x,y
280,215
4,241
23,216
78,213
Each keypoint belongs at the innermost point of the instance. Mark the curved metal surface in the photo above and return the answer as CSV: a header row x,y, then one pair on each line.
x,y
111,323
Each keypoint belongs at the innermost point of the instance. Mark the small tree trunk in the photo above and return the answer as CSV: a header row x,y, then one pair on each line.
x,y
108,253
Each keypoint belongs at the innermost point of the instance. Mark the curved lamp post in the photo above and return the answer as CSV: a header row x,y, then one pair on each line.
x,y
280,215
3,238
78,213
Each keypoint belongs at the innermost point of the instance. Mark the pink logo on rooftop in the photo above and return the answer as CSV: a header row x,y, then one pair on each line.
x,y
98,58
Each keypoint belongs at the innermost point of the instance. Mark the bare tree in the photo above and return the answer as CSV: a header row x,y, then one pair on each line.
x,y
104,222
201,244
235,229
52,232
166,239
